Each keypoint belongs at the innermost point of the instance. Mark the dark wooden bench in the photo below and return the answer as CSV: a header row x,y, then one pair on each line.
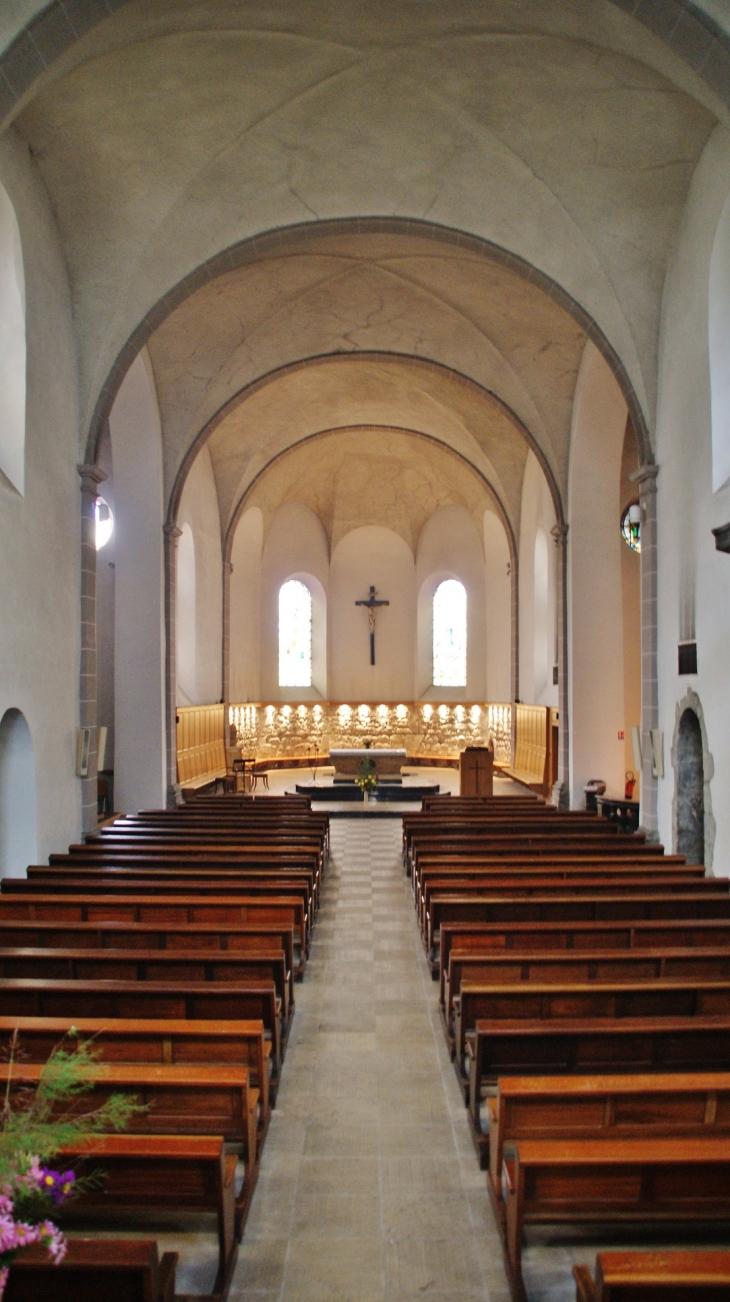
x,y
528,1001
120,1270
209,1001
596,883
170,1173
183,967
675,1276
601,1107
147,910
556,908
179,1099
596,1046
153,1041
146,936
652,1181
547,966
507,938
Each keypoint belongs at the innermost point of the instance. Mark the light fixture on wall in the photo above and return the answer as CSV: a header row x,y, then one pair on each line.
x,y
631,526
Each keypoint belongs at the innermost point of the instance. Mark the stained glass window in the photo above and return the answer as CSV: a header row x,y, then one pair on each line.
x,y
295,635
631,526
449,634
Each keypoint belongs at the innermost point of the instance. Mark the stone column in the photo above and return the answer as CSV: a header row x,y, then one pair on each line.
x,y
226,656
561,789
172,533
91,477
646,477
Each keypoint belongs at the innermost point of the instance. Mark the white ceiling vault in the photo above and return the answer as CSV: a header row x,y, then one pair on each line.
x,y
564,133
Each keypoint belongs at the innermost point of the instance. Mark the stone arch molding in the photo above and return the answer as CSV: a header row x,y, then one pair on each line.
x,y
691,701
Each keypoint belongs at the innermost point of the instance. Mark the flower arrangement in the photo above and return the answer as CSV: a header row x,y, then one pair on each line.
x,y
367,778
37,1123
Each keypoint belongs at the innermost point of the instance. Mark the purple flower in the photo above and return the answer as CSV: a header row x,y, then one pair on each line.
x,y
58,1185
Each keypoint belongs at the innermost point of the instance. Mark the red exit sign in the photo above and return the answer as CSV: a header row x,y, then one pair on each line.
x,y
621,736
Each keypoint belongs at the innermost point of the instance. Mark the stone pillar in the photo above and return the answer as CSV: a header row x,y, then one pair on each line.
x,y
226,656
646,477
172,533
91,477
561,789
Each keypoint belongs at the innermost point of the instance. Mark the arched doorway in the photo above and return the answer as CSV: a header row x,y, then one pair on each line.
x,y
18,843
690,789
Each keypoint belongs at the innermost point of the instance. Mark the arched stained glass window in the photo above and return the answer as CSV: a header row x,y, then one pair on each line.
x,y
295,635
449,634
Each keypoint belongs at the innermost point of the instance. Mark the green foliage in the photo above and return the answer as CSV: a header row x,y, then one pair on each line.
x,y
367,778
39,1122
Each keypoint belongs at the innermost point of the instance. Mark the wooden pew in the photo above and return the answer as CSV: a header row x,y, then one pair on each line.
x,y
171,1173
559,967
609,907
147,910
675,1276
209,1001
127,1270
600,1107
593,1046
180,1100
183,967
596,883
651,1181
153,1041
527,1001
146,936
518,937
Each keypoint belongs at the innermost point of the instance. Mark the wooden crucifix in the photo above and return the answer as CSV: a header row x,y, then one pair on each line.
x,y
371,605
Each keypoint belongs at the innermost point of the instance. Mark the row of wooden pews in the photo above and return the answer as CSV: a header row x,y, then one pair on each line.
x,y
174,940
584,988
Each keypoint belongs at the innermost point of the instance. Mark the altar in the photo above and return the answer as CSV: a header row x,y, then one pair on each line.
x,y
386,759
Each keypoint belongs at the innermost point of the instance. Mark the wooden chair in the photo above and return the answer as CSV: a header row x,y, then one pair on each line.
x,y
117,1270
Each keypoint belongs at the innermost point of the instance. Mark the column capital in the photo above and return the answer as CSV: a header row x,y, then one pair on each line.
x,y
172,532
91,476
560,533
645,477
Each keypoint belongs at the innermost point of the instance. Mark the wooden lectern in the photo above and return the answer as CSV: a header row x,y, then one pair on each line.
x,y
476,771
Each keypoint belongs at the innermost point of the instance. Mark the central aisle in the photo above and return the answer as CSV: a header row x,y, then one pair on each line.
x,y
369,1187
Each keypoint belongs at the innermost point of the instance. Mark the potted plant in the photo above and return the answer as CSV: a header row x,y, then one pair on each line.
x,y
367,778
37,1125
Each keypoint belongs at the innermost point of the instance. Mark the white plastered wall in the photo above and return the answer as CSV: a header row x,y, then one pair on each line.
x,y
295,548
245,607
595,598
374,555
537,609
199,510
687,507
40,532
139,692
450,548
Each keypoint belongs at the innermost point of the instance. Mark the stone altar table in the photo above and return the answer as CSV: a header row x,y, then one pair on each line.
x,y
386,759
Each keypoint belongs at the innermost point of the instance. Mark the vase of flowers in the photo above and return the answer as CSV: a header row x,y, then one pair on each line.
x,y
367,778
37,1124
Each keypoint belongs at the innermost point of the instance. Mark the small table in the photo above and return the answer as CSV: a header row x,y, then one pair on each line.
x,y
387,759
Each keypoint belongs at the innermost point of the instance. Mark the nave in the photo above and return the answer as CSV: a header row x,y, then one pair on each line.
x,y
369,1188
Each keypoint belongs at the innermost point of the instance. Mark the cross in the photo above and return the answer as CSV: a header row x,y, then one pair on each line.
x,y
371,606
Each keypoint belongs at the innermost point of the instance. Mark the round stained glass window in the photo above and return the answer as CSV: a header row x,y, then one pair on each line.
x,y
631,526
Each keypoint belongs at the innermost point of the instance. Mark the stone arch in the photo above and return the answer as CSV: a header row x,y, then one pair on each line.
x,y
256,248
692,819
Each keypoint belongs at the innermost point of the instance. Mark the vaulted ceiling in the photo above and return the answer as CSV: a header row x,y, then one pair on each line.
x,y
176,134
